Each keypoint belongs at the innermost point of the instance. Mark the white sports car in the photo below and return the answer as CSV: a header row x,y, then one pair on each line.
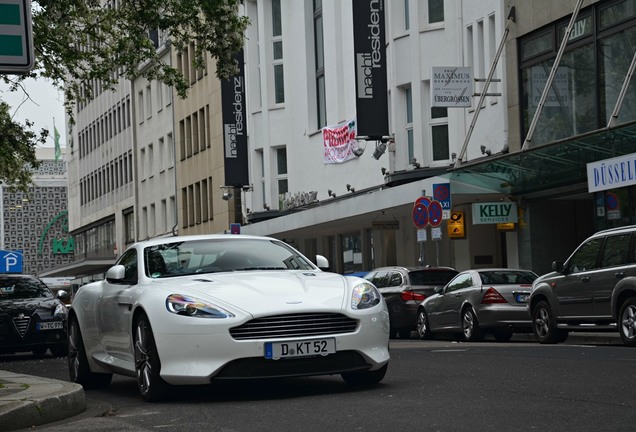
x,y
192,309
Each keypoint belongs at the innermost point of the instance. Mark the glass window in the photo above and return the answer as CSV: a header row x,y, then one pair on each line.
x,y
395,279
461,281
616,250
129,261
321,95
379,279
281,160
406,15
613,67
440,142
536,45
585,257
616,13
435,11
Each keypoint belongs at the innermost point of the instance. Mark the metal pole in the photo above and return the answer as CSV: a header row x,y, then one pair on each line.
x,y
621,96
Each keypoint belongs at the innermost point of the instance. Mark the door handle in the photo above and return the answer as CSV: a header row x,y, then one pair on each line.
x,y
585,279
619,275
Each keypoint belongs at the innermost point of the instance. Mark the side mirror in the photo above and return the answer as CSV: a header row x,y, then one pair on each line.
x,y
116,273
61,294
439,289
557,266
322,263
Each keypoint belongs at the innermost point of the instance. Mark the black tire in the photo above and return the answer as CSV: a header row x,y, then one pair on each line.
x,y
503,335
423,328
544,325
147,363
405,333
471,332
78,368
39,351
60,350
627,322
365,378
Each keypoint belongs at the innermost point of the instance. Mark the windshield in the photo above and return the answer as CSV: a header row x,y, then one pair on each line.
x,y
507,277
221,255
15,288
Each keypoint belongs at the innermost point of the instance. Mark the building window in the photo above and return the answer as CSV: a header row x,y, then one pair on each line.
x,y
408,101
435,11
281,178
407,17
588,79
321,94
129,227
277,51
439,134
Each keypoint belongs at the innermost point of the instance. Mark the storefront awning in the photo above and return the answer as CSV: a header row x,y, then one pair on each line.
x,y
88,267
548,166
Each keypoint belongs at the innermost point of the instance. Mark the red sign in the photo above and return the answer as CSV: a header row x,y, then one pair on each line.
x,y
420,215
435,213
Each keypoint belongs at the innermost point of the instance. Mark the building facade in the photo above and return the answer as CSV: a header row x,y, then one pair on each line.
x,y
35,223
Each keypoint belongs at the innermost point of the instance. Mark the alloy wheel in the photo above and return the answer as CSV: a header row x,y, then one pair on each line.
x,y
628,322
143,365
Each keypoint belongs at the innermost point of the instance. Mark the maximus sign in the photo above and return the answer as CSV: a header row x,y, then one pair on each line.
x,y
494,213
372,109
452,87
235,127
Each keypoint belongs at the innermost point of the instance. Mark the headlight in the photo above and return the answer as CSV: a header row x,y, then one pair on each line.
x,y
190,306
365,296
60,312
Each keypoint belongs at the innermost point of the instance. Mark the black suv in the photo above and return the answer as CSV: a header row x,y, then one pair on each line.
x,y
404,288
595,289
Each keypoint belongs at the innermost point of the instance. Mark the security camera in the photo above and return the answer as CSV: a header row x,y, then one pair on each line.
x,y
358,151
226,195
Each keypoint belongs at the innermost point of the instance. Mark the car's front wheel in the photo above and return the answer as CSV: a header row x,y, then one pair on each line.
x,y
78,368
423,327
544,325
627,322
366,377
147,364
471,331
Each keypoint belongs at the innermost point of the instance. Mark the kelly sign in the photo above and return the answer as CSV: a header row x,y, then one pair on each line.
x,y
494,212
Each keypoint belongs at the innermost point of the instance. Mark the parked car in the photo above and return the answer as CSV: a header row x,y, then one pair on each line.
x,y
476,302
31,317
191,309
404,288
594,290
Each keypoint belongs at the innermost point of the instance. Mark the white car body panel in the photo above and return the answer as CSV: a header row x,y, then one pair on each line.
x,y
193,350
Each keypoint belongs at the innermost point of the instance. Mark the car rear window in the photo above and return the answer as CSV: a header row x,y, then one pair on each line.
x,y
431,277
507,277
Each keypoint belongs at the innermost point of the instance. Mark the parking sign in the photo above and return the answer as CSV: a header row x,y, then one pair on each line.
x,y
10,261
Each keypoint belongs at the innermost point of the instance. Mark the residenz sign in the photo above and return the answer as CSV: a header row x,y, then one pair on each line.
x,y
494,212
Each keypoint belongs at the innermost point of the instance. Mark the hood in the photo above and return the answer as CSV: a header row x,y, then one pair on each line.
x,y
28,306
257,292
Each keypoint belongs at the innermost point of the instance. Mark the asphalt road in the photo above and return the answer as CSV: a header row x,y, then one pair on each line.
x,y
430,386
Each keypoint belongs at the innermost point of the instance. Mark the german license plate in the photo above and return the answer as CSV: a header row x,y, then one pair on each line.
x,y
52,325
304,348
521,298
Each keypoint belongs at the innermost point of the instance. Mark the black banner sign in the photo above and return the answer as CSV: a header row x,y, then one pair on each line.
x,y
370,68
235,127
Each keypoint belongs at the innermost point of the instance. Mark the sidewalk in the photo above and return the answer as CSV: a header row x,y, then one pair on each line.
x,y
27,400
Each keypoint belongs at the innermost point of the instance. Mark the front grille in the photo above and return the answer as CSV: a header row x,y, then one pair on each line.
x,y
295,325
21,325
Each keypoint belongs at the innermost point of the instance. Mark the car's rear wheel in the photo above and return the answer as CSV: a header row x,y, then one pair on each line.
x,y
366,377
423,328
502,335
147,364
78,368
544,325
627,322
471,332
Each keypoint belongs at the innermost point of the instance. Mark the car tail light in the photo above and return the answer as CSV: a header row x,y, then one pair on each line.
x,y
492,296
412,295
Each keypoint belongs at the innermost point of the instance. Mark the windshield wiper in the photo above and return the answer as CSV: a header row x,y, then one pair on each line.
x,y
264,268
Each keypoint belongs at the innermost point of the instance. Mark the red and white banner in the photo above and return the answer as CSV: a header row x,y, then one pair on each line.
x,y
339,142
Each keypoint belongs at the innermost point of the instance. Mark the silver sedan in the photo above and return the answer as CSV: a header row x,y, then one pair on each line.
x,y
476,302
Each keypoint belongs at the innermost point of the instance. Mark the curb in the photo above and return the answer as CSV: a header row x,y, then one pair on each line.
x,y
33,401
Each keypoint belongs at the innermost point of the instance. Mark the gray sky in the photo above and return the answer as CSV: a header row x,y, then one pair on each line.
x,y
45,105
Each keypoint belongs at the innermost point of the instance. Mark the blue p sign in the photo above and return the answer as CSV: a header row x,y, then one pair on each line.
x,y
10,261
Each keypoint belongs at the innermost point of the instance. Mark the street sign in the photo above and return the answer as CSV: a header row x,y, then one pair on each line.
x,y
456,225
435,213
10,261
420,215
16,37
